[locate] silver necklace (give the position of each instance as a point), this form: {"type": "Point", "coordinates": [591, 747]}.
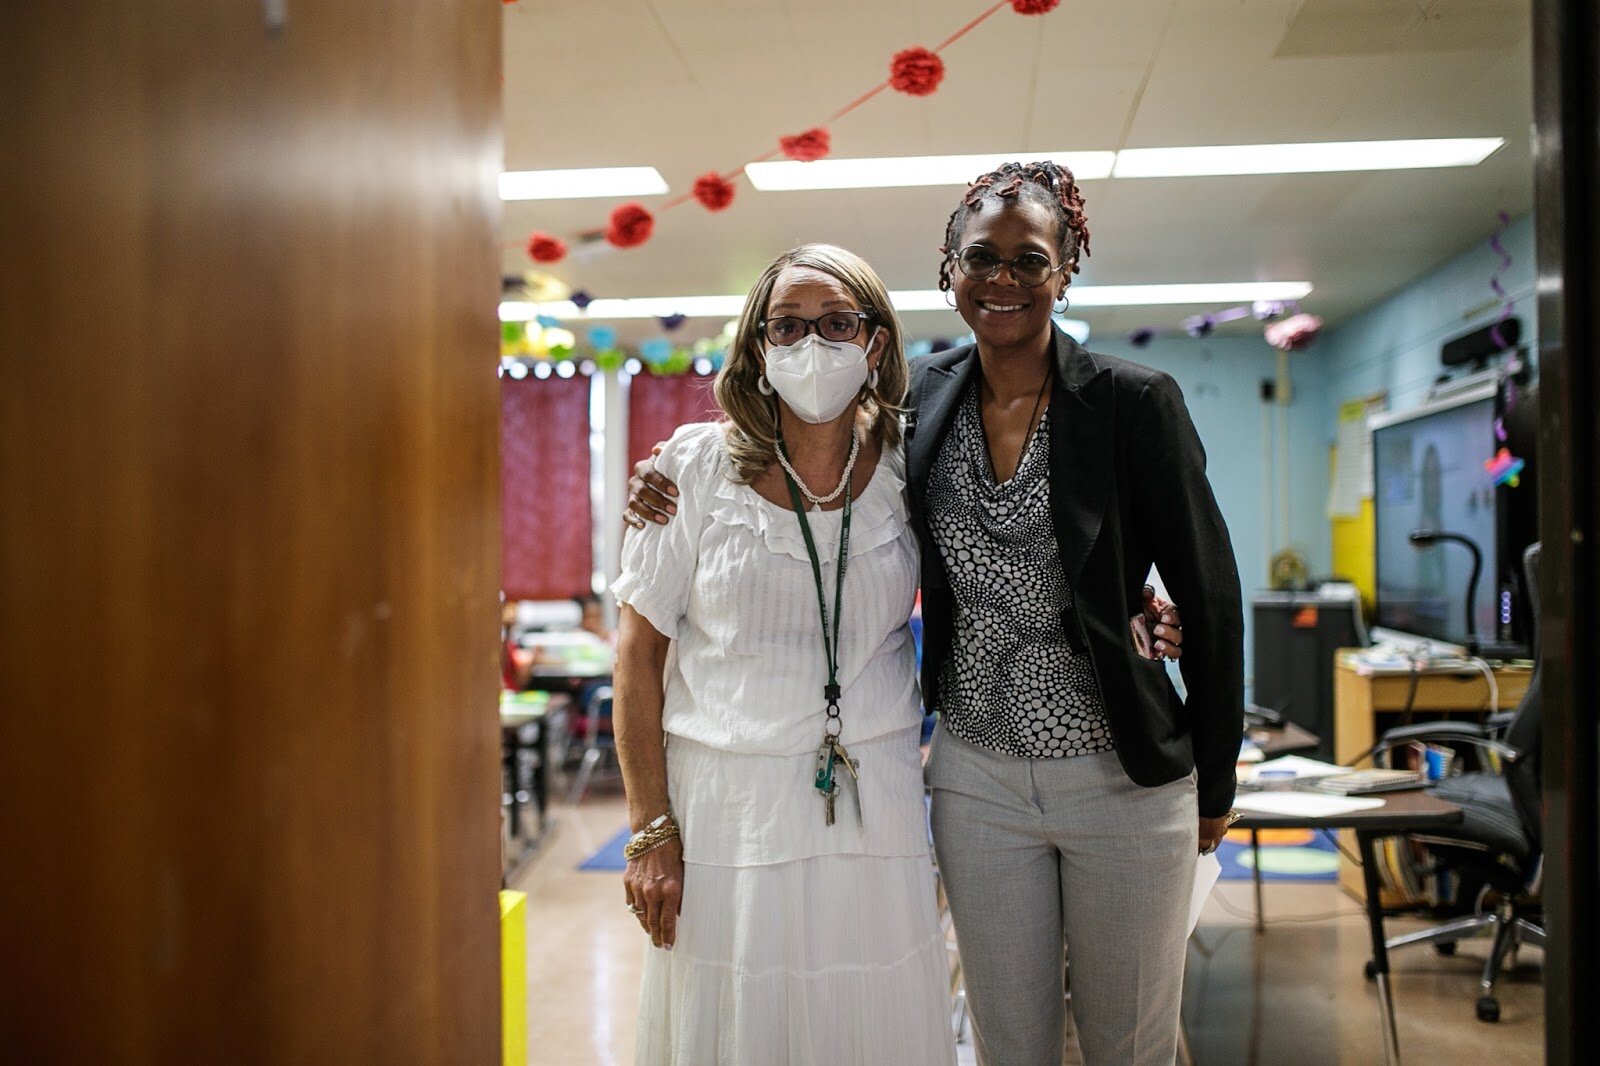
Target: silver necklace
{"type": "Point", "coordinates": [849, 467]}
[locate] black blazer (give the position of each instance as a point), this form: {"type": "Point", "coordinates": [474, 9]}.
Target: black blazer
{"type": "Point", "coordinates": [1127, 488]}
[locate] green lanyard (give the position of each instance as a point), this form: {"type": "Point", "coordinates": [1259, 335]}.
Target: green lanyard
{"type": "Point", "coordinates": [830, 638]}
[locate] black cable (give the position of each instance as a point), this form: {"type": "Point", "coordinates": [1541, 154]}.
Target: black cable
{"type": "Point", "coordinates": [1330, 916]}
{"type": "Point", "coordinates": [1411, 691]}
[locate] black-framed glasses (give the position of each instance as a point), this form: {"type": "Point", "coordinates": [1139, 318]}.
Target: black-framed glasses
{"type": "Point", "coordinates": [1029, 268]}
{"type": "Point", "coordinates": [833, 326]}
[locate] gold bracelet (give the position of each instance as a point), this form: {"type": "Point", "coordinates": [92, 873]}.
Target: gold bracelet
{"type": "Point", "coordinates": [652, 836]}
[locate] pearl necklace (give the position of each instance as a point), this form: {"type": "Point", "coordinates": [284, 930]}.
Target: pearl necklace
{"type": "Point", "coordinates": [849, 467]}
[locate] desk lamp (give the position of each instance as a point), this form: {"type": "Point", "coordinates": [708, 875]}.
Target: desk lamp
{"type": "Point", "coordinates": [1423, 538]}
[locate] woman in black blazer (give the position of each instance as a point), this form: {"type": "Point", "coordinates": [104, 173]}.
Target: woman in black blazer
{"type": "Point", "coordinates": [1072, 787]}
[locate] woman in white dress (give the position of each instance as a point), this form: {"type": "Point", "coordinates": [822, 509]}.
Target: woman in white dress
{"type": "Point", "coordinates": [780, 859]}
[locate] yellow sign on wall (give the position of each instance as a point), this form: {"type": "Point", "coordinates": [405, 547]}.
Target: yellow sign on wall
{"type": "Point", "coordinates": [1351, 510]}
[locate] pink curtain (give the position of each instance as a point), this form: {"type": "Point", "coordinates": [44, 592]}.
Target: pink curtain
{"type": "Point", "coordinates": [547, 548]}
{"type": "Point", "coordinates": [659, 405]}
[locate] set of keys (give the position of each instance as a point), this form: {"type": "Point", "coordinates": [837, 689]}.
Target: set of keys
{"type": "Point", "coordinates": [829, 756]}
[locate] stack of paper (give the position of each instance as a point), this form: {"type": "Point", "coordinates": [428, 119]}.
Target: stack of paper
{"type": "Point", "coordinates": [1303, 804]}
{"type": "Point", "coordinates": [1302, 768]}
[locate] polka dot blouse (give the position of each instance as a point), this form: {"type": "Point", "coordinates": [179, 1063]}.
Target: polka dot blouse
{"type": "Point", "coordinates": [1012, 683]}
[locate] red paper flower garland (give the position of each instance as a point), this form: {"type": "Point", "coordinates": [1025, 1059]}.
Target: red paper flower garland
{"type": "Point", "coordinates": [713, 191]}
{"type": "Point", "coordinates": [631, 225]}
{"type": "Point", "coordinates": [543, 248]}
{"type": "Point", "coordinates": [916, 72]}
{"type": "Point", "coordinates": [811, 144]}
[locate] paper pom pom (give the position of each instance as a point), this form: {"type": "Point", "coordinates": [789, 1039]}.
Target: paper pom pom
{"type": "Point", "coordinates": [656, 350]}
{"type": "Point", "coordinates": [672, 323]}
{"type": "Point", "coordinates": [713, 192]}
{"type": "Point", "coordinates": [631, 225]}
{"type": "Point", "coordinates": [543, 248]}
{"type": "Point", "coordinates": [603, 337]}
{"type": "Point", "coordinates": [1267, 310]}
{"type": "Point", "coordinates": [1141, 338]}
{"type": "Point", "coordinates": [940, 344]}
{"type": "Point", "coordinates": [547, 321]}
{"type": "Point", "coordinates": [581, 299]}
{"type": "Point", "coordinates": [1034, 7]}
{"type": "Point", "coordinates": [1294, 334]}
{"type": "Point", "coordinates": [1199, 325]}
{"type": "Point", "coordinates": [812, 144]}
{"type": "Point", "coordinates": [916, 72]}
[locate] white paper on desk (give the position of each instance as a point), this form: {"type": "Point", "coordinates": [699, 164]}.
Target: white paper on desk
{"type": "Point", "coordinates": [1303, 804]}
{"type": "Point", "coordinates": [1299, 764]}
{"type": "Point", "coordinates": [1206, 871]}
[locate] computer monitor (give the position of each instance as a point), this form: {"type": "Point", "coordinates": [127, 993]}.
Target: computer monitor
{"type": "Point", "coordinates": [1430, 473]}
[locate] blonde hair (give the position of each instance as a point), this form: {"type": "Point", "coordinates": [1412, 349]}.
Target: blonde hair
{"type": "Point", "coordinates": [752, 428]}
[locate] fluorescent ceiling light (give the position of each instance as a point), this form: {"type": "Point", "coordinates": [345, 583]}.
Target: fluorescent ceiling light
{"type": "Point", "coordinates": [1076, 328]}
{"type": "Point", "coordinates": [1226, 292]}
{"type": "Point", "coordinates": [905, 300]}
{"type": "Point", "coordinates": [906, 171]}
{"type": "Point", "coordinates": [1303, 158]}
{"type": "Point", "coordinates": [578, 184]}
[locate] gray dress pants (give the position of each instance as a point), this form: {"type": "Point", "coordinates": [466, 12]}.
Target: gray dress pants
{"type": "Point", "coordinates": [1034, 852]}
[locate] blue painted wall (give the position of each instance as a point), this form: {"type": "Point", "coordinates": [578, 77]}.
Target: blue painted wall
{"type": "Point", "coordinates": [1394, 347]}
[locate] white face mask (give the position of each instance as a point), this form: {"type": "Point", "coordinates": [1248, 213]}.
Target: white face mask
{"type": "Point", "coordinates": [818, 379]}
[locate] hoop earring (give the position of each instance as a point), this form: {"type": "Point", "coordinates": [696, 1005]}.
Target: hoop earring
{"type": "Point", "coordinates": [872, 379]}
{"type": "Point", "coordinates": [950, 299]}
{"type": "Point", "coordinates": [1065, 303]}
{"type": "Point", "coordinates": [763, 386]}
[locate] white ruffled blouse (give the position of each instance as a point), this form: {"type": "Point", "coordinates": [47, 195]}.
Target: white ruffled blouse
{"type": "Point", "coordinates": [729, 580]}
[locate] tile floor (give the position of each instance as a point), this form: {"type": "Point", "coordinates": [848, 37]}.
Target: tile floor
{"type": "Point", "coordinates": [1296, 995]}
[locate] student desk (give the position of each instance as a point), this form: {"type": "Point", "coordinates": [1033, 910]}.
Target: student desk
{"type": "Point", "coordinates": [1402, 812]}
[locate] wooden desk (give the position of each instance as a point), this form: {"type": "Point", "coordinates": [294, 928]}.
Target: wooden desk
{"type": "Point", "coordinates": [524, 727]}
{"type": "Point", "coordinates": [1368, 702]}
{"type": "Point", "coordinates": [1402, 812]}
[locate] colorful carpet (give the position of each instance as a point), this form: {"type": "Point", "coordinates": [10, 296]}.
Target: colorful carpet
{"type": "Point", "coordinates": [1286, 855]}
{"type": "Point", "coordinates": [609, 858]}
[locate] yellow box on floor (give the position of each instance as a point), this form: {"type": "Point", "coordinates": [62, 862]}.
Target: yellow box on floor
{"type": "Point", "coordinates": [513, 979]}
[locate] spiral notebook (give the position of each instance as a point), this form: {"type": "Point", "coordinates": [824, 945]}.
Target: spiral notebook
{"type": "Point", "coordinates": [1360, 782]}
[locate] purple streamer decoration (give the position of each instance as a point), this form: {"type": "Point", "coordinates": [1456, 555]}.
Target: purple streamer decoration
{"type": "Point", "coordinates": [1500, 342]}
{"type": "Point", "coordinates": [1199, 326]}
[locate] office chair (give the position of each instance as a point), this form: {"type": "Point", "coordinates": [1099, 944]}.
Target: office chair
{"type": "Point", "coordinates": [597, 744]}
{"type": "Point", "coordinates": [1497, 848]}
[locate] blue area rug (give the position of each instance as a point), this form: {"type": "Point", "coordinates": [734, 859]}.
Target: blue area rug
{"type": "Point", "coordinates": [609, 858]}
{"type": "Point", "coordinates": [1286, 855]}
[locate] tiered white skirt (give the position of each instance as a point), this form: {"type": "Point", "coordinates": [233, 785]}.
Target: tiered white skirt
{"type": "Point", "coordinates": [799, 944]}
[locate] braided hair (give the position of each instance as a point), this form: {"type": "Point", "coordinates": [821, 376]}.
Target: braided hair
{"type": "Point", "coordinates": [1046, 183]}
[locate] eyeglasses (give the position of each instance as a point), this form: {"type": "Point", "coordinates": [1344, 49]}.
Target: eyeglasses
{"type": "Point", "coordinates": [1029, 268]}
{"type": "Point", "coordinates": [833, 326]}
